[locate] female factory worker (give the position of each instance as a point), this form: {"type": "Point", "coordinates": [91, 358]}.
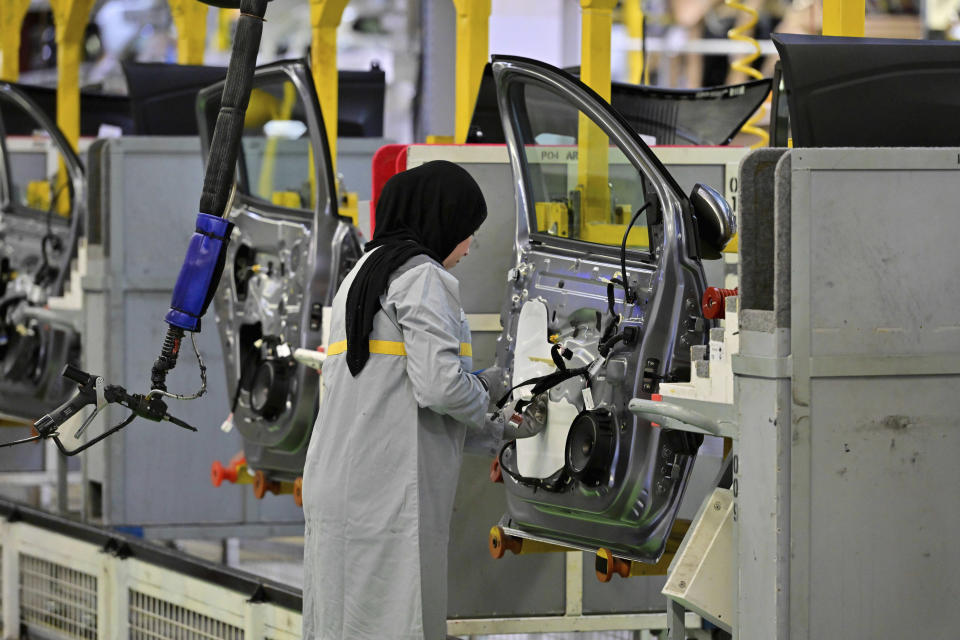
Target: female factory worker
{"type": "Point", "coordinates": [383, 461]}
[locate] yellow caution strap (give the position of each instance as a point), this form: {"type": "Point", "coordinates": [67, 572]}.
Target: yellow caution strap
{"type": "Point", "coordinates": [390, 348]}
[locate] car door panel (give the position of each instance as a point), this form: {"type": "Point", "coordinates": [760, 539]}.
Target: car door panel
{"type": "Point", "coordinates": [288, 252]}
{"type": "Point", "coordinates": [40, 222]}
{"type": "Point", "coordinates": [581, 173]}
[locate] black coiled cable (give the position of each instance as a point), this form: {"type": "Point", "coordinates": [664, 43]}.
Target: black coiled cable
{"type": "Point", "coordinates": [167, 359]}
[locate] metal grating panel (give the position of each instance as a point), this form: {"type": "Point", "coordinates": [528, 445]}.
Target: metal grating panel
{"type": "Point", "coordinates": [155, 619]}
{"type": "Point", "coordinates": [58, 598]}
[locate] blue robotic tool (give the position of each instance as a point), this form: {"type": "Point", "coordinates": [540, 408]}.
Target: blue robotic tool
{"type": "Point", "coordinates": [206, 253]}
{"type": "Point", "coordinates": [202, 266]}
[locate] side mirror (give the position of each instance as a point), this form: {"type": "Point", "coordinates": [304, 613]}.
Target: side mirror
{"type": "Point", "coordinates": [716, 224]}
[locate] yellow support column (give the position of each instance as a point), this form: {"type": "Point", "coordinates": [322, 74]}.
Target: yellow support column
{"type": "Point", "coordinates": [225, 18]}
{"type": "Point", "coordinates": [473, 45]}
{"type": "Point", "coordinates": [11, 22]}
{"type": "Point", "coordinates": [597, 22]}
{"type": "Point", "coordinates": [190, 18]}
{"type": "Point", "coordinates": [592, 142]}
{"type": "Point", "coordinates": [633, 19]}
{"type": "Point", "coordinates": [70, 20]}
{"type": "Point", "coordinates": [844, 17]}
{"type": "Point", "coordinates": [324, 19]}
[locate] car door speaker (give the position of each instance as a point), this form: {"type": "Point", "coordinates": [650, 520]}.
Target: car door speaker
{"type": "Point", "coordinates": [590, 446]}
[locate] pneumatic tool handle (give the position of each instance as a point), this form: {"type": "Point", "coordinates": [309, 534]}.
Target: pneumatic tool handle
{"type": "Point", "coordinates": [79, 376]}
{"type": "Point", "coordinates": [49, 423]}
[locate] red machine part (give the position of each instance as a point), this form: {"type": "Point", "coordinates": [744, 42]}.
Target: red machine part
{"type": "Point", "coordinates": [388, 161]}
{"type": "Point", "coordinates": [230, 473]}
{"type": "Point", "coordinates": [714, 305]}
{"type": "Point", "coordinates": [236, 472]}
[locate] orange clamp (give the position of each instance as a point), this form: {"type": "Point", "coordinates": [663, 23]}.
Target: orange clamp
{"type": "Point", "coordinates": [606, 564]}
{"type": "Point", "coordinates": [262, 485]}
{"type": "Point", "coordinates": [298, 491]}
{"type": "Point", "coordinates": [235, 472]}
{"type": "Point", "coordinates": [500, 541]}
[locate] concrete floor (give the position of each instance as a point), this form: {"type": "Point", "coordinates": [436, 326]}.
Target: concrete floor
{"type": "Point", "coordinates": [281, 559]}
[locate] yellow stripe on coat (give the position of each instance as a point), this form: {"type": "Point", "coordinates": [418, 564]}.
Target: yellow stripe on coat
{"type": "Point", "coordinates": [390, 348]}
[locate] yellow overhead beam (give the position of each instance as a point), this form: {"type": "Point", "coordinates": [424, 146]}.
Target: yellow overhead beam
{"type": "Point", "coordinates": [11, 22]}
{"type": "Point", "coordinates": [473, 45]}
{"type": "Point", "coordinates": [844, 17]}
{"type": "Point", "coordinates": [324, 19]}
{"type": "Point", "coordinates": [633, 19]}
{"type": "Point", "coordinates": [592, 142]}
{"type": "Point", "coordinates": [190, 18]}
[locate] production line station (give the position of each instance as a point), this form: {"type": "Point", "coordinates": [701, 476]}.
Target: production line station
{"type": "Point", "coordinates": [530, 320]}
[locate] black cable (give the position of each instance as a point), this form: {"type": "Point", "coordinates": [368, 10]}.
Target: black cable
{"type": "Point", "coordinates": [628, 297]}
{"type": "Point", "coordinates": [43, 273]}
{"type": "Point", "coordinates": [5, 305]}
{"type": "Point", "coordinates": [21, 441]}
{"type": "Point", "coordinates": [82, 447]}
{"type": "Point", "coordinates": [242, 381]}
{"type": "Point", "coordinates": [609, 343]}
{"type": "Point", "coordinates": [559, 477]}
{"type": "Point", "coordinates": [542, 383]}
{"type": "Point", "coordinates": [89, 444]}
{"type": "Point", "coordinates": [167, 359]}
{"type": "Point", "coordinates": [9, 302]}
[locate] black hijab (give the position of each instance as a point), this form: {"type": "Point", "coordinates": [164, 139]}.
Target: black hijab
{"type": "Point", "coordinates": [427, 210]}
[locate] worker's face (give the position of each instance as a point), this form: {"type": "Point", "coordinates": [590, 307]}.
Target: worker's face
{"type": "Point", "coordinates": [458, 252]}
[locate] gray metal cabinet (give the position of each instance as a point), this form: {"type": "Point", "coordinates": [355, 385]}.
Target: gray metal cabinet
{"type": "Point", "coordinates": [847, 397]}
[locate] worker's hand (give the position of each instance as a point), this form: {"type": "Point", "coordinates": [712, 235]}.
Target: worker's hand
{"type": "Point", "coordinates": [532, 421]}
{"type": "Point", "coordinates": [493, 428]}
{"type": "Point", "coordinates": [492, 379]}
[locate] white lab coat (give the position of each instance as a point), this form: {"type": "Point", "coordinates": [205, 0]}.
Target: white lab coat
{"type": "Point", "coordinates": [382, 466]}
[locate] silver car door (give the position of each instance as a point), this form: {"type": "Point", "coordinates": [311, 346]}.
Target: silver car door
{"type": "Point", "coordinates": [288, 252]}
{"type": "Point", "coordinates": [597, 476]}
{"type": "Point", "coordinates": [42, 199]}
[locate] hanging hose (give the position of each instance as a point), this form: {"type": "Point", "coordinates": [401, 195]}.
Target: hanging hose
{"type": "Point", "coordinates": [206, 252]}
{"type": "Point", "coordinates": [745, 65]}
